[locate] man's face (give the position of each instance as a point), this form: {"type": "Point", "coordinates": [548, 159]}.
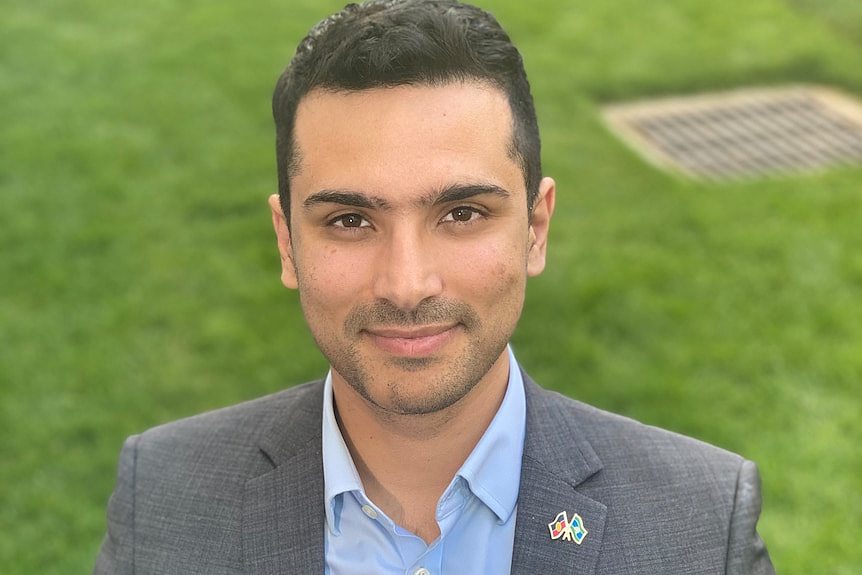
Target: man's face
{"type": "Point", "coordinates": [410, 239]}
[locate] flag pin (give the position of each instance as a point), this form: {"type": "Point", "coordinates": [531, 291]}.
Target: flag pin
{"type": "Point", "coordinates": [562, 528]}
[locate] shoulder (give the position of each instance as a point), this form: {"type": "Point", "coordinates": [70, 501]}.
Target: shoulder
{"type": "Point", "coordinates": [652, 482]}
{"type": "Point", "coordinates": [634, 460]}
{"type": "Point", "coordinates": [231, 438]}
{"type": "Point", "coordinates": [616, 437]}
{"type": "Point", "coordinates": [247, 419]}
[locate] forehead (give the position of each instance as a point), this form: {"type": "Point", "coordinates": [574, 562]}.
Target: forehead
{"type": "Point", "coordinates": [404, 140]}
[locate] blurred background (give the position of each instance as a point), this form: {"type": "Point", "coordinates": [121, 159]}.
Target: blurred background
{"type": "Point", "coordinates": [139, 273]}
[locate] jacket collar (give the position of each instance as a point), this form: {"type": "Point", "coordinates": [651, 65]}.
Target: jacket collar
{"type": "Point", "coordinates": [283, 514]}
{"type": "Point", "coordinates": [557, 459]}
{"type": "Point", "coordinates": [283, 517]}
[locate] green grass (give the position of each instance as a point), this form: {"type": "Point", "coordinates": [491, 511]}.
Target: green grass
{"type": "Point", "coordinates": [139, 276]}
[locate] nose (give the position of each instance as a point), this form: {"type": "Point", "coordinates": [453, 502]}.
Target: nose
{"type": "Point", "coordinates": [407, 270]}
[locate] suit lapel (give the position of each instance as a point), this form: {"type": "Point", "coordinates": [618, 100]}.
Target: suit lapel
{"type": "Point", "coordinates": [283, 514]}
{"type": "Point", "coordinates": [284, 520]}
{"type": "Point", "coordinates": [555, 463]}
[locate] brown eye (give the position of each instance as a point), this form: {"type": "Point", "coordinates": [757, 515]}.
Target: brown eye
{"type": "Point", "coordinates": [462, 214]}
{"type": "Point", "coordinates": [349, 221]}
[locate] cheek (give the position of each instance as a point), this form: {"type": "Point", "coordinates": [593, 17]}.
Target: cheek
{"type": "Point", "coordinates": [494, 271]}
{"type": "Point", "coordinates": [330, 280]}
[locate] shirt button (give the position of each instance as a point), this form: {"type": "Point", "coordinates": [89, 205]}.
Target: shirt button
{"type": "Point", "coordinates": [421, 571]}
{"type": "Point", "coordinates": [369, 511]}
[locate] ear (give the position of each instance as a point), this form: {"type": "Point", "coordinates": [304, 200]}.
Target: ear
{"type": "Point", "coordinates": [540, 220]}
{"type": "Point", "coordinates": [282, 233]}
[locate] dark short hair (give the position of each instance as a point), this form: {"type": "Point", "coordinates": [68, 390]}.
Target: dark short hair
{"type": "Point", "coordinates": [387, 43]}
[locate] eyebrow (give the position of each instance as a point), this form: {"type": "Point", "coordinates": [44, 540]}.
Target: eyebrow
{"type": "Point", "coordinates": [458, 192]}
{"type": "Point", "coordinates": [346, 198]}
{"type": "Point", "coordinates": [448, 194]}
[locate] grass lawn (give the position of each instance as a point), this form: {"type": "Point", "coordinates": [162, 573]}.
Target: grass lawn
{"type": "Point", "coordinates": [139, 276]}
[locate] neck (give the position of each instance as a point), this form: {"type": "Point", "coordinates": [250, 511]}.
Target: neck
{"type": "Point", "coordinates": [406, 462]}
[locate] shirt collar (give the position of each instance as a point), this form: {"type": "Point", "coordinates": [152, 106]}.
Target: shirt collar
{"type": "Point", "coordinates": [339, 471]}
{"type": "Point", "coordinates": [492, 470]}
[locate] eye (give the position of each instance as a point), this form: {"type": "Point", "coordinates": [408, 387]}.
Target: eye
{"type": "Point", "coordinates": [462, 214]}
{"type": "Point", "coordinates": [350, 221]}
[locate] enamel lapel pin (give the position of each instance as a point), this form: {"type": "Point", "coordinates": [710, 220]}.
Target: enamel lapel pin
{"type": "Point", "coordinates": [562, 528]}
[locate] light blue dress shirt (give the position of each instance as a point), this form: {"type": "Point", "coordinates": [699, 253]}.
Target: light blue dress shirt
{"type": "Point", "coordinates": [476, 513]}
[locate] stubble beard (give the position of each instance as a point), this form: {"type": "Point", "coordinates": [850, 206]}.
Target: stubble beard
{"type": "Point", "coordinates": [389, 389]}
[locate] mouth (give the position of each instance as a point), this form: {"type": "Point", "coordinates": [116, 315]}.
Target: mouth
{"type": "Point", "coordinates": [420, 341]}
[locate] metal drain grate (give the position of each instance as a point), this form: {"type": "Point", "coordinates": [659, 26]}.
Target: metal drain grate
{"type": "Point", "coordinates": [745, 133]}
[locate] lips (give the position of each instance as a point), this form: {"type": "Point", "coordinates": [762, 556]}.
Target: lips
{"type": "Point", "coordinates": [419, 341]}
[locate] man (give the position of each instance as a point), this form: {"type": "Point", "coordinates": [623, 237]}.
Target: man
{"type": "Point", "coordinates": [411, 211]}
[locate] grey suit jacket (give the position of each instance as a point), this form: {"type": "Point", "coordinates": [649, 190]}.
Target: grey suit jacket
{"type": "Point", "coordinates": [240, 490]}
